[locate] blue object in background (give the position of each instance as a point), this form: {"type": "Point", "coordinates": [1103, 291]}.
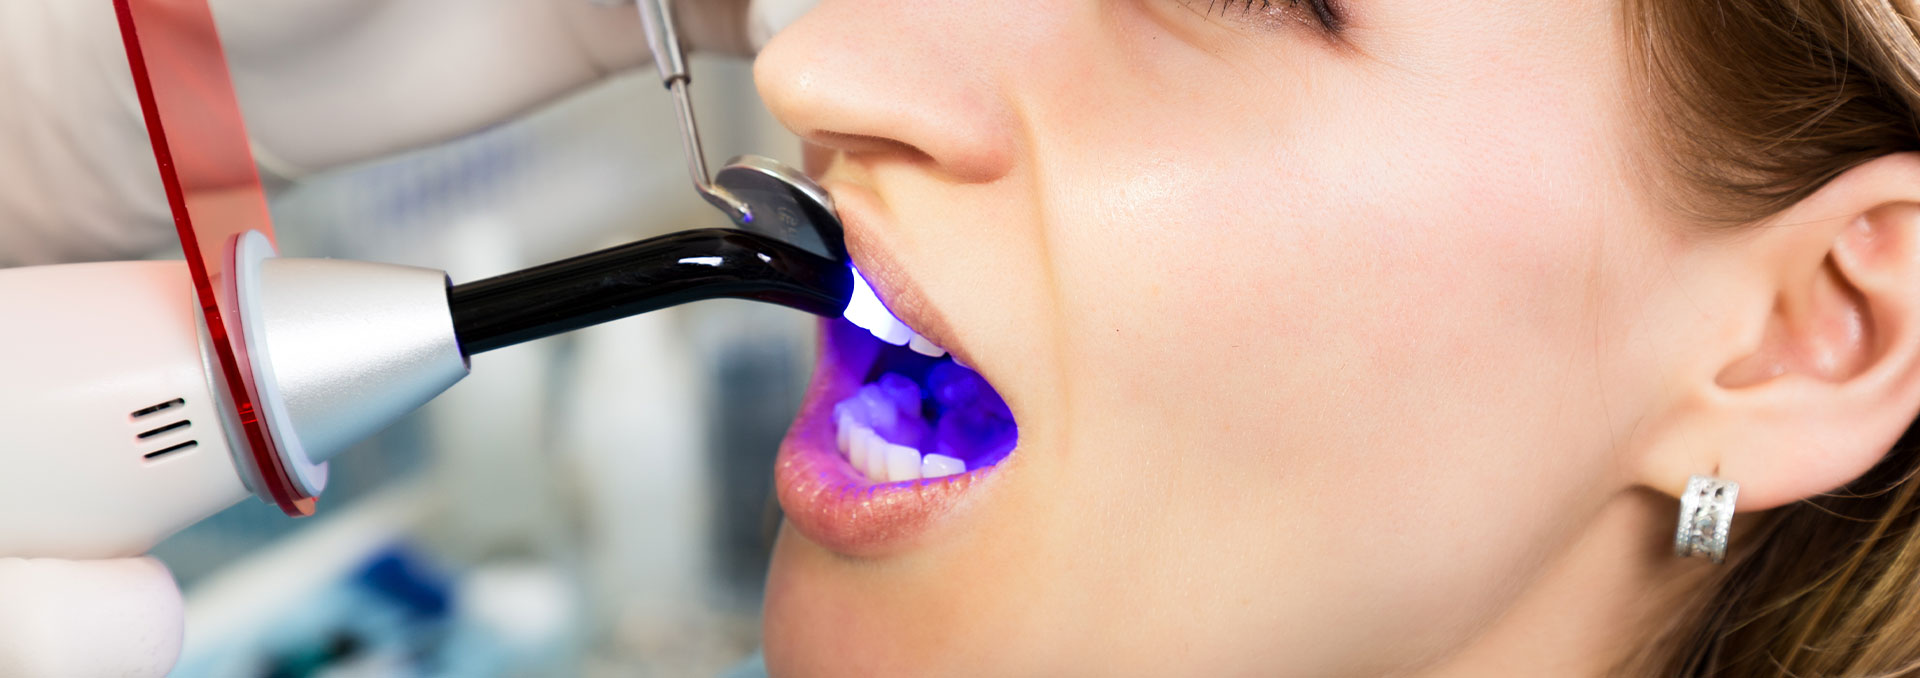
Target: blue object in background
{"type": "Point", "coordinates": [397, 615]}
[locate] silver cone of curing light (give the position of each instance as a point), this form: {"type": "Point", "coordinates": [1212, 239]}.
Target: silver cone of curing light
{"type": "Point", "coordinates": [340, 349]}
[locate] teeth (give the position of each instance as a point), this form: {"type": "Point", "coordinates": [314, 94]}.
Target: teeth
{"type": "Point", "coordinates": [857, 448]}
{"type": "Point", "coordinates": [920, 345]}
{"type": "Point", "coordinates": [873, 455]}
{"type": "Point", "coordinates": [843, 427]}
{"type": "Point", "coordinates": [876, 458]}
{"type": "Point", "coordinates": [903, 463]}
{"type": "Point", "coordinates": [880, 430]}
{"type": "Point", "coordinates": [885, 462]}
{"type": "Point", "coordinates": [894, 332]}
{"type": "Point", "coordinates": [938, 465]}
{"type": "Point", "coordinates": [866, 311]}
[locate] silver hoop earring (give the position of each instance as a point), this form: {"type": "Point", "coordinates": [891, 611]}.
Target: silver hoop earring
{"type": "Point", "coordinates": [1706, 516]}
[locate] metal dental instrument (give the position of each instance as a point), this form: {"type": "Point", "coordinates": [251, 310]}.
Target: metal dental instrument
{"type": "Point", "coordinates": [664, 40]}
{"type": "Point", "coordinates": [759, 194]}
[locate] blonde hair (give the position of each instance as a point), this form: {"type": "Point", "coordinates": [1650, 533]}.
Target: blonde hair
{"type": "Point", "coordinates": [1760, 103]}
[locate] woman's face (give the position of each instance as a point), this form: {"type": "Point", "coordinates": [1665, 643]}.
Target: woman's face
{"type": "Point", "coordinates": [1303, 329]}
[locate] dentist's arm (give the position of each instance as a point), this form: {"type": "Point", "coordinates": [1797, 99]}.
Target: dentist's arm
{"type": "Point", "coordinates": [326, 82]}
{"type": "Point", "coordinates": [321, 83]}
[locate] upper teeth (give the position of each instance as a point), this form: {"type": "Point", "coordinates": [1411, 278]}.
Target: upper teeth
{"type": "Point", "coordinates": [866, 311]}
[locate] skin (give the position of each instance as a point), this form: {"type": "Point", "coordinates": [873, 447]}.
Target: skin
{"type": "Point", "coordinates": [1367, 354]}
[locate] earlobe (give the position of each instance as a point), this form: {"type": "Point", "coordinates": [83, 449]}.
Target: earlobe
{"type": "Point", "coordinates": [1830, 378]}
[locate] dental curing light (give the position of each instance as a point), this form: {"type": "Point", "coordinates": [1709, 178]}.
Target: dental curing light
{"type": "Point", "coordinates": [122, 428]}
{"type": "Point", "coordinates": [141, 397]}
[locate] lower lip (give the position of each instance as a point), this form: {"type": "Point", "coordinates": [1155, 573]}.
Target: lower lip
{"type": "Point", "coordinates": [833, 504]}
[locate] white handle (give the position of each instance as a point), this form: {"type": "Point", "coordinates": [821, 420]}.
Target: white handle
{"type": "Point", "coordinates": [110, 434]}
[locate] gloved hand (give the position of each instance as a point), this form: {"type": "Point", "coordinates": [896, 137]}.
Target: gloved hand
{"type": "Point", "coordinates": [88, 618]}
{"type": "Point", "coordinates": [321, 83]}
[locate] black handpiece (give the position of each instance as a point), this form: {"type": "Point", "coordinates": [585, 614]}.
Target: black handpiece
{"type": "Point", "coordinates": [642, 276]}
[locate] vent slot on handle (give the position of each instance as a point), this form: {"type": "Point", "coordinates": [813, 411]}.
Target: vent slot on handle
{"type": "Point", "coordinates": [155, 434]}
{"type": "Point", "coordinates": [175, 426]}
{"type": "Point", "coordinates": [156, 454]}
{"type": "Point", "coordinates": [156, 409]}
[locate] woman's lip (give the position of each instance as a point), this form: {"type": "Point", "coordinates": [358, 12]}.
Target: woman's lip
{"type": "Point", "coordinates": [831, 503]}
{"type": "Point", "coordinates": [823, 496]}
{"type": "Point", "coordinates": [860, 219]}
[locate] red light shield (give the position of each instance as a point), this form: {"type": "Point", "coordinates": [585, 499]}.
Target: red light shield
{"type": "Point", "coordinates": [200, 143]}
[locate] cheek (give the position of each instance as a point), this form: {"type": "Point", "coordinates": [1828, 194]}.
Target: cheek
{"type": "Point", "coordinates": [1354, 356]}
{"type": "Point", "coordinates": [1216, 277]}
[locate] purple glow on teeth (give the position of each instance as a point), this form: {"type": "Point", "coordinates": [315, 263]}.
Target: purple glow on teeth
{"type": "Point", "coordinates": [955, 422]}
{"type": "Point", "coordinates": [889, 407]}
{"type": "Point", "coordinates": [921, 415]}
{"type": "Point", "coordinates": [865, 309]}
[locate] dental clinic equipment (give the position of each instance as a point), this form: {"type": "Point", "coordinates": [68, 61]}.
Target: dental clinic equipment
{"type": "Point", "coordinates": [141, 397]}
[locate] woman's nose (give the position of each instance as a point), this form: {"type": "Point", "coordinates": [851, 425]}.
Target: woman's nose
{"type": "Point", "coordinates": [918, 81]}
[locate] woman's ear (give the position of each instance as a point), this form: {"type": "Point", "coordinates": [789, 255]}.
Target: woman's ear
{"type": "Point", "coordinates": [1820, 369]}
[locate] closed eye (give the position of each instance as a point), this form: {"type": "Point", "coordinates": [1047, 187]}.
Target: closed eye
{"type": "Point", "coordinates": [1321, 13]}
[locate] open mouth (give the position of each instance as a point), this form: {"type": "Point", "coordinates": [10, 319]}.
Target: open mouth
{"type": "Point", "coordinates": [893, 432]}
{"type": "Point", "coordinates": [919, 413]}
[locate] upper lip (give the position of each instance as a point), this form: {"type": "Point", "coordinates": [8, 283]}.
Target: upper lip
{"type": "Point", "coordinates": [866, 240]}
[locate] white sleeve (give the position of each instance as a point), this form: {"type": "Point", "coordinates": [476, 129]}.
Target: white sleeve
{"type": "Point", "coordinates": [325, 82]}
{"type": "Point", "coordinates": [321, 83]}
{"type": "Point", "coordinates": [77, 179]}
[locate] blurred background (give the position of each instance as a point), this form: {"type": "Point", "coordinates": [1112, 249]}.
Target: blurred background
{"type": "Point", "coordinates": [595, 504]}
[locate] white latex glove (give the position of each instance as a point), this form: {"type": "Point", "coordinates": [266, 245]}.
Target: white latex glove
{"type": "Point", "coordinates": [76, 619]}
{"type": "Point", "coordinates": [321, 83]}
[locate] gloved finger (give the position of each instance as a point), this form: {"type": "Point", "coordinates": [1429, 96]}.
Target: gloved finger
{"type": "Point", "coordinates": [80, 618]}
{"type": "Point", "coordinates": [324, 83]}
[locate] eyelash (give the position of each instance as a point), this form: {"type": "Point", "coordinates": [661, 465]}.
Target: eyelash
{"type": "Point", "coordinates": [1322, 11]}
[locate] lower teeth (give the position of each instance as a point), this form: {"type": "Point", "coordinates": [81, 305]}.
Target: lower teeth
{"type": "Point", "coordinates": [883, 430]}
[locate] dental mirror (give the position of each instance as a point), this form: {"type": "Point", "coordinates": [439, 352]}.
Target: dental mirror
{"type": "Point", "coordinates": [784, 204]}
{"type": "Point", "coordinates": [759, 194]}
